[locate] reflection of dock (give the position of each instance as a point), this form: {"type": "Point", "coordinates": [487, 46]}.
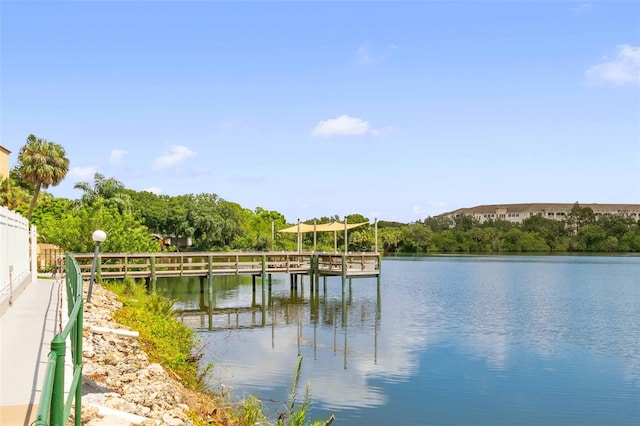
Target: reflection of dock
{"type": "Point", "coordinates": [295, 310]}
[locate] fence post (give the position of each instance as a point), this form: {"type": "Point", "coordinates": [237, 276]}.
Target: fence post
{"type": "Point", "coordinates": [56, 418]}
{"type": "Point", "coordinates": [77, 361]}
{"type": "Point", "coordinates": [34, 253]}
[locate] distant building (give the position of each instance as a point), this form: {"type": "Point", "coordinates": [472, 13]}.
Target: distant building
{"type": "Point", "coordinates": [516, 213]}
{"type": "Point", "coordinates": [4, 162]}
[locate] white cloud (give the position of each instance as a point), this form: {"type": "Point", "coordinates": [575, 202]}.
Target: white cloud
{"type": "Point", "coordinates": [343, 125]}
{"type": "Point", "coordinates": [117, 155]}
{"type": "Point", "coordinates": [176, 154]}
{"type": "Point", "coordinates": [82, 174]}
{"type": "Point", "coordinates": [366, 55]}
{"type": "Point", "coordinates": [363, 56]}
{"type": "Point", "coordinates": [154, 189]}
{"type": "Point", "coordinates": [582, 9]}
{"type": "Point", "coordinates": [623, 69]}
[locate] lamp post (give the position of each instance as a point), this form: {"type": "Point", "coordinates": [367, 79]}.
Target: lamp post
{"type": "Point", "coordinates": [98, 236]}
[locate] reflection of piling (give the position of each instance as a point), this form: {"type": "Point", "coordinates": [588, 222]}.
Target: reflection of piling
{"type": "Point", "coordinates": [344, 274]}
{"type": "Point", "coordinates": [201, 301]}
{"type": "Point", "coordinates": [263, 278]}
{"type": "Point", "coordinates": [345, 347]}
{"type": "Point", "coordinates": [376, 326]}
{"type": "Point", "coordinates": [344, 291]}
{"type": "Point", "coordinates": [379, 271]}
{"type": "Point", "coordinates": [253, 293]}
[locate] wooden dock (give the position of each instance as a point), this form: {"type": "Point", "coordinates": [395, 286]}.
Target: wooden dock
{"type": "Point", "coordinates": [151, 266]}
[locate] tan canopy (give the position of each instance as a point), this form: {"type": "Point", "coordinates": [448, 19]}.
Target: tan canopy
{"type": "Point", "coordinates": [333, 226]}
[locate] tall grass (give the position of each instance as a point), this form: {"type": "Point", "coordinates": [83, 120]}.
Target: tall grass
{"type": "Point", "coordinates": [297, 416]}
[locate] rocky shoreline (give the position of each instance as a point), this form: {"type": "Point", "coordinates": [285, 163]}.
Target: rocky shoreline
{"type": "Point", "coordinates": [120, 385]}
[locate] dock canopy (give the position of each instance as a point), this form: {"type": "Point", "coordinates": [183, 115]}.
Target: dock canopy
{"type": "Point", "coordinates": [334, 227]}
{"type": "Point", "coordinates": [322, 227]}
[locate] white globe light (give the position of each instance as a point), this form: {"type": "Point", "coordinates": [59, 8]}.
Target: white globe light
{"type": "Point", "coordinates": [99, 236]}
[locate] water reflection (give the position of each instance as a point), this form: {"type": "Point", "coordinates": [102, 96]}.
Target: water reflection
{"type": "Point", "coordinates": [455, 339]}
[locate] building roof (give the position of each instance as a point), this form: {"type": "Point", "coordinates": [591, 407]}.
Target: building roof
{"type": "Point", "coordinates": [5, 150]}
{"type": "Point", "coordinates": [536, 207]}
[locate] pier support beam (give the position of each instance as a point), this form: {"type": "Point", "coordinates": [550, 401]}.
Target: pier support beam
{"type": "Point", "coordinates": [263, 279]}
{"type": "Point", "coordinates": [210, 293]}
{"type": "Point", "coordinates": [152, 265]}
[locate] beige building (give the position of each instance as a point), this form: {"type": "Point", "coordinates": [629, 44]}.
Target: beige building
{"type": "Point", "coordinates": [516, 213]}
{"type": "Point", "coordinates": [4, 162]}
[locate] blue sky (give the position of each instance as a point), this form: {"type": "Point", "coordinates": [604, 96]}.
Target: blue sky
{"type": "Point", "coordinates": [397, 110]}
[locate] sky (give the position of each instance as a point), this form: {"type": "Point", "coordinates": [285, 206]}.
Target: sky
{"type": "Point", "coordinates": [393, 110]}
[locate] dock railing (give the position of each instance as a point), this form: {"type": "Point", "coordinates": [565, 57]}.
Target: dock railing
{"type": "Point", "coordinates": [155, 265]}
{"type": "Point", "coordinates": [53, 410]}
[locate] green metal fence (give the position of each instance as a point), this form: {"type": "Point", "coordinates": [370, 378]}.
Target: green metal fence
{"type": "Point", "coordinates": [53, 409]}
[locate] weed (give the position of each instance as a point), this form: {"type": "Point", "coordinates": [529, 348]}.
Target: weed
{"type": "Point", "coordinates": [298, 416]}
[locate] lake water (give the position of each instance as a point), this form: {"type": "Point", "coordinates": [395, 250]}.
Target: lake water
{"type": "Point", "coordinates": [445, 340]}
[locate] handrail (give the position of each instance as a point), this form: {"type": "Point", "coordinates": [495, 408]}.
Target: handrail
{"type": "Point", "coordinates": [52, 410]}
{"type": "Point", "coordinates": [152, 265]}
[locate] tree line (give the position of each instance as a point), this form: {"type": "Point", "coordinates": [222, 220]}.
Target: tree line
{"type": "Point", "coordinates": [138, 221]}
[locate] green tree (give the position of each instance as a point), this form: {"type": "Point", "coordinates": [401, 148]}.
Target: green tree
{"type": "Point", "coordinates": [150, 208]}
{"type": "Point", "coordinates": [579, 217]}
{"type": "Point", "coordinates": [390, 239]}
{"type": "Point", "coordinates": [49, 208]}
{"type": "Point", "coordinates": [591, 237]}
{"type": "Point", "coordinates": [231, 226]}
{"type": "Point", "coordinates": [205, 220]}
{"type": "Point", "coordinates": [446, 242]}
{"type": "Point", "coordinates": [416, 238]}
{"type": "Point", "coordinates": [41, 163]}
{"type": "Point", "coordinates": [12, 196]}
{"type": "Point", "coordinates": [631, 240]}
{"type": "Point", "coordinates": [178, 224]}
{"type": "Point", "coordinates": [615, 225]}
{"type": "Point", "coordinates": [465, 222]}
{"type": "Point", "coordinates": [257, 230]}
{"type": "Point", "coordinates": [108, 190]}
{"type": "Point", "coordinates": [73, 231]}
{"type": "Point", "coordinates": [356, 218]}
{"type": "Point", "coordinates": [439, 223]}
{"type": "Point", "coordinates": [360, 238]}
{"type": "Point", "coordinates": [532, 242]}
{"type": "Point", "coordinates": [485, 239]}
{"type": "Point", "coordinates": [551, 230]}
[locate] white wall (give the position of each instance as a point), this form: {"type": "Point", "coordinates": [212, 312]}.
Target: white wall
{"type": "Point", "coordinates": [14, 252]}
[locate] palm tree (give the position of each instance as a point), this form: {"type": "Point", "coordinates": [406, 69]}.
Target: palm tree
{"type": "Point", "coordinates": [110, 191]}
{"type": "Point", "coordinates": [42, 163]}
{"type": "Point", "coordinates": [12, 196]}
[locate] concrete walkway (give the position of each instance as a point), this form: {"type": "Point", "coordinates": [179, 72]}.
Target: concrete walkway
{"type": "Point", "coordinates": [26, 330]}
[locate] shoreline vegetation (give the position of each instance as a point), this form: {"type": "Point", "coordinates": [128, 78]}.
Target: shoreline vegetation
{"type": "Point", "coordinates": [141, 221]}
{"type": "Point", "coordinates": [156, 378]}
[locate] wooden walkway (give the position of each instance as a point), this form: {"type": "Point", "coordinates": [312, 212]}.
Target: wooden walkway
{"type": "Point", "coordinates": [151, 266]}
